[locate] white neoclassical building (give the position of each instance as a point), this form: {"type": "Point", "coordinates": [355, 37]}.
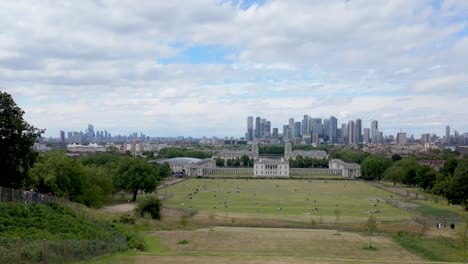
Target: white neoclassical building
{"type": "Point", "coordinates": [271, 168]}
{"type": "Point", "coordinates": [348, 170]}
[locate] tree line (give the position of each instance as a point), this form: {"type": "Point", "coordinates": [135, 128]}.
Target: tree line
{"type": "Point", "coordinates": [451, 181]}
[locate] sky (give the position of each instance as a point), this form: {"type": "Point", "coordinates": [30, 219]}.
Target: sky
{"type": "Point", "coordinates": [199, 68]}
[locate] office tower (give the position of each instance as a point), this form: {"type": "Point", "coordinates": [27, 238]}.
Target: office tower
{"type": "Point", "coordinates": [70, 137]}
{"type": "Point", "coordinates": [257, 127]}
{"type": "Point", "coordinates": [262, 127]}
{"type": "Point", "coordinates": [426, 138]}
{"type": "Point", "coordinates": [401, 138]}
{"type": "Point", "coordinates": [366, 136]}
{"type": "Point", "coordinates": [358, 128]}
{"type": "Point", "coordinates": [285, 132]}
{"type": "Point", "coordinates": [275, 132]}
{"type": "Point", "coordinates": [447, 135]}
{"type": "Point", "coordinates": [325, 128]}
{"type": "Point", "coordinates": [316, 125]}
{"type": "Point", "coordinates": [374, 131]}
{"type": "Point", "coordinates": [344, 133]}
{"type": "Point", "coordinates": [90, 132]}
{"type": "Point", "coordinates": [62, 136]}
{"type": "Point", "coordinates": [249, 134]}
{"type": "Point", "coordinates": [297, 129]}
{"type": "Point", "coordinates": [351, 132]}
{"type": "Point", "coordinates": [77, 137]}
{"type": "Point", "coordinates": [380, 137]}
{"type": "Point", "coordinates": [291, 128]}
{"type": "Point", "coordinates": [305, 125]}
{"type": "Point", "coordinates": [267, 129]}
{"type": "Point", "coordinates": [333, 126]}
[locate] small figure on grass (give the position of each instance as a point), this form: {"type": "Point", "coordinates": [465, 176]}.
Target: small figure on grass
{"type": "Point", "coordinates": [371, 228]}
{"type": "Point", "coordinates": [183, 221]}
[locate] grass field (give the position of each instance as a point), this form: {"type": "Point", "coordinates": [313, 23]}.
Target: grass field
{"type": "Point", "coordinates": [296, 200]}
{"type": "Point", "coordinates": [263, 245]}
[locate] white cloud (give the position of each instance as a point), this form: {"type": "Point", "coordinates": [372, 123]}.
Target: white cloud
{"type": "Point", "coordinates": [71, 63]}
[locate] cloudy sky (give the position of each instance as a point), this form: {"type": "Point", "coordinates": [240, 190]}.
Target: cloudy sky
{"type": "Point", "coordinates": [199, 68]}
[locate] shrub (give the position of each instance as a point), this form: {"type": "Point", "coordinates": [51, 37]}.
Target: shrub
{"type": "Point", "coordinates": [150, 205]}
{"type": "Point", "coordinates": [126, 219]}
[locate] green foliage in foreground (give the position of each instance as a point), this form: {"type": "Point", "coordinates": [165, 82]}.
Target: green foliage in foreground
{"type": "Point", "coordinates": [51, 222]}
{"type": "Point", "coordinates": [435, 249]}
{"type": "Point", "coordinates": [134, 239]}
{"type": "Point", "coordinates": [151, 205]}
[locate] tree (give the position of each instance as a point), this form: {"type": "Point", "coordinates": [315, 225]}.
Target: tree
{"type": "Point", "coordinates": [220, 162]}
{"type": "Point", "coordinates": [396, 157]}
{"type": "Point", "coordinates": [371, 228]}
{"type": "Point", "coordinates": [245, 160]}
{"type": "Point", "coordinates": [449, 167]}
{"type": "Point", "coordinates": [373, 167]}
{"type": "Point", "coordinates": [16, 140]}
{"type": "Point", "coordinates": [457, 192]}
{"type": "Point", "coordinates": [165, 170]}
{"type": "Point", "coordinates": [394, 173]}
{"type": "Point", "coordinates": [425, 177]}
{"type": "Point", "coordinates": [134, 174]}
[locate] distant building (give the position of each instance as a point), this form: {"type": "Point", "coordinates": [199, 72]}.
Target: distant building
{"type": "Point", "coordinates": [401, 138]}
{"type": "Point", "coordinates": [351, 132]}
{"type": "Point", "coordinates": [366, 136]}
{"type": "Point", "coordinates": [188, 166]}
{"type": "Point", "coordinates": [271, 168]}
{"type": "Point", "coordinates": [447, 135]}
{"type": "Point", "coordinates": [91, 148]}
{"type": "Point", "coordinates": [348, 170]}
{"type": "Point", "coordinates": [374, 131]}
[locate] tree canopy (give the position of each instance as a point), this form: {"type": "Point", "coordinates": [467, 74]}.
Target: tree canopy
{"type": "Point", "coordinates": [16, 140]}
{"type": "Point", "coordinates": [134, 174]}
{"type": "Point", "coordinates": [374, 166]}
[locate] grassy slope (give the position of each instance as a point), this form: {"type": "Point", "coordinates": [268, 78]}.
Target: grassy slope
{"type": "Point", "coordinates": [52, 222]}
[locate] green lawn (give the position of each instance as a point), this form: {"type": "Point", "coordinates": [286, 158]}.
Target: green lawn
{"type": "Point", "coordinates": [295, 200]}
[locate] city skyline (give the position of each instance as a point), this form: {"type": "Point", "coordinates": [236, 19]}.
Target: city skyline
{"type": "Point", "coordinates": [198, 68]}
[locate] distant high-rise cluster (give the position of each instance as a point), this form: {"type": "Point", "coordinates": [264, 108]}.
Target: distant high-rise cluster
{"type": "Point", "coordinates": [90, 135]}
{"type": "Point", "coordinates": [314, 131]}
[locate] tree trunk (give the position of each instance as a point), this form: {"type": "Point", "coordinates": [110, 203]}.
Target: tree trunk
{"type": "Point", "coordinates": [135, 192]}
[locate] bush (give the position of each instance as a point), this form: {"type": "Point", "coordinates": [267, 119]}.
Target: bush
{"type": "Point", "coordinates": [150, 205]}
{"type": "Point", "coordinates": [126, 219]}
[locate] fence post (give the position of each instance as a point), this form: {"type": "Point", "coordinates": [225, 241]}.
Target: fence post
{"type": "Point", "coordinates": [12, 195]}
{"type": "Point", "coordinates": [44, 245]}
{"type": "Point", "coordinates": [65, 253]}
{"type": "Point", "coordinates": [18, 249]}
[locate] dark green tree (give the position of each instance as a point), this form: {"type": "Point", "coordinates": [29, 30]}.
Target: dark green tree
{"type": "Point", "coordinates": [373, 167]}
{"type": "Point", "coordinates": [425, 177]}
{"type": "Point", "coordinates": [134, 174]}
{"type": "Point", "coordinates": [396, 157]}
{"type": "Point", "coordinates": [220, 162]}
{"type": "Point", "coordinates": [394, 173]}
{"type": "Point", "coordinates": [165, 170]}
{"type": "Point", "coordinates": [457, 192]}
{"type": "Point", "coordinates": [245, 160]}
{"type": "Point", "coordinates": [16, 140]}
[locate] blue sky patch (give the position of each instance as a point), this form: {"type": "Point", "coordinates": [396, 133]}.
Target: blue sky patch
{"type": "Point", "coordinates": [201, 54]}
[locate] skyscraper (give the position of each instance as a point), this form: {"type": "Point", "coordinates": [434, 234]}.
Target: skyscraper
{"type": "Point", "coordinates": [267, 129]}
{"type": "Point", "coordinates": [305, 125]}
{"type": "Point", "coordinates": [374, 131]}
{"type": "Point", "coordinates": [257, 127]}
{"type": "Point", "coordinates": [358, 131]}
{"type": "Point", "coordinates": [291, 127]}
{"type": "Point", "coordinates": [285, 132]}
{"type": "Point", "coordinates": [351, 132]}
{"type": "Point", "coordinates": [366, 137]}
{"type": "Point", "coordinates": [275, 132]}
{"type": "Point", "coordinates": [297, 129]}
{"type": "Point", "coordinates": [62, 136]}
{"type": "Point", "coordinates": [262, 127]}
{"type": "Point", "coordinates": [316, 125]}
{"type": "Point", "coordinates": [401, 138]}
{"type": "Point", "coordinates": [447, 135]}
{"type": "Point", "coordinates": [249, 135]}
{"type": "Point", "coordinates": [333, 126]}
